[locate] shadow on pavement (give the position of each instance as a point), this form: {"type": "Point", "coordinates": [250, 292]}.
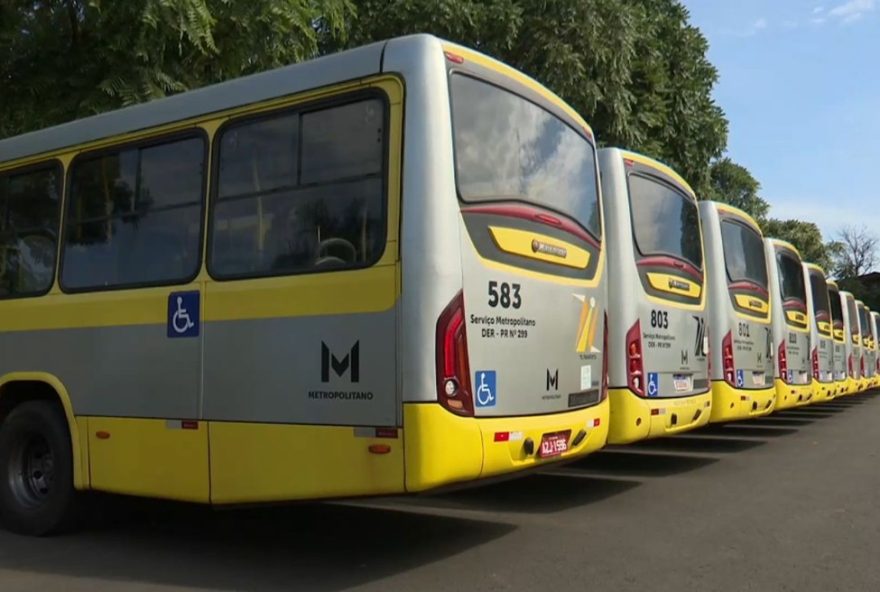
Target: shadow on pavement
{"type": "Point", "coordinates": [695, 442]}
{"type": "Point", "coordinates": [629, 462]}
{"type": "Point", "coordinates": [806, 414]}
{"type": "Point", "coordinates": [778, 420]}
{"type": "Point", "coordinates": [533, 494]}
{"type": "Point", "coordinates": [748, 430]}
{"type": "Point", "coordinates": [322, 547]}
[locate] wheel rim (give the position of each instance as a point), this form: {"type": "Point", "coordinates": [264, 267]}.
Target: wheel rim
{"type": "Point", "coordinates": [31, 470]}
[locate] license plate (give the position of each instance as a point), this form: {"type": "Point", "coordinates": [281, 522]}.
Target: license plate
{"type": "Point", "coordinates": [802, 377]}
{"type": "Point", "coordinates": [758, 378]}
{"type": "Point", "coordinates": [554, 444]}
{"type": "Point", "coordinates": [682, 382]}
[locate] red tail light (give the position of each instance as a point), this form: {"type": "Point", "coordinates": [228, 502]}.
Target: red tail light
{"type": "Point", "coordinates": [453, 369]}
{"type": "Point", "coordinates": [862, 366]}
{"type": "Point", "coordinates": [783, 362]}
{"type": "Point", "coordinates": [727, 360]}
{"type": "Point", "coordinates": [849, 366]}
{"type": "Point", "coordinates": [604, 393]}
{"type": "Point", "coordinates": [635, 368]}
{"type": "Point", "coordinates": [816, 363]}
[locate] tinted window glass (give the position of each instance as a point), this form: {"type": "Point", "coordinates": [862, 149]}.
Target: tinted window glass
{"type": "Point", "coordinates": [134, 216]}
{"type": "Point", "coordinates": [791, 277]}
{"type": "Point", "coordinates": [863, 320]}
{"type": "Point", "coordinates": [743, 253]}
{"type": "Point", "coordinates": [836, 310]}
{"type": "Point", "coordinates": [281, 209]}
{"type": "Point", "coordinates": [507, 148]}
{"type": "Point", "coordinates": [819, 289]}
{"type": "Point", "coordinates": [665, 221]}
{"type": "Point", "coordinates": [28, 231]}
{"type": "Point", "coordinates": [853, 315]}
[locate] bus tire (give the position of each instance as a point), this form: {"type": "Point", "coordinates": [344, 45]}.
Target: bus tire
{"type": "Point", "coordinates": [37, 496]}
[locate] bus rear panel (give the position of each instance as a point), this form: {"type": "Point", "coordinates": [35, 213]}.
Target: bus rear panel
{"type": "Point", "coordinates": [791, 324]}
{"type": "Point", "coordinates": [839, 340]}
{"type": "Point", "coordinates": [821, 339]}
{"type": "Point", "coordinates": [658, 366]}
{"type": "Point", "coordinates": [869, 353]}
{"type": "Point", "coordinates": [853, 342]}
{"type": "Point", "coordinates": [740, 314]}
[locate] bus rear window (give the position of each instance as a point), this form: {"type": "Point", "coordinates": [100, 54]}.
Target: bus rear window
{"type": "Point", "coordinates": [791, 278]}
{"type": "Point", "coordinates": [665, 221]}
{"type": "Point", "coordinates": [819, 288]}
{"type": "Point", "coordinates": [863, 320]}
{"type": "Point", "coordinates": [836, 309]}
{"type": "Point", "coordinates": [508, 148]}
{"type": "Point", "coordinates": [743, 254]}
{"type": "Point", "coordinates": [853, 316]}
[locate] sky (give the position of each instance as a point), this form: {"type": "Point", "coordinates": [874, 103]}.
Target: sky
{"type": "Point", "coordinates": [799, 81]}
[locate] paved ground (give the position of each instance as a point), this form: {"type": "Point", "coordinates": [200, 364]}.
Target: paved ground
{"type": "Point", "coordinates": [784, 503]}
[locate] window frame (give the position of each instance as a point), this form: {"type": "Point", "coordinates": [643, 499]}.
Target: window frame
{"type": "Point", "coordinates": [632, 220]}
{"type": "Point", "coordinates": [60, 186]}
{"type": "Point", "coordinates": [597, 236]}
{"type": "Point", "coordinates": [195, 132]}
{"type": "Point", "coordinates": [300, 109]}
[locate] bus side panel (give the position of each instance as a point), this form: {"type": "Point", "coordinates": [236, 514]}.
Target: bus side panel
{"type": "Point", "coordinates": [150, 457]}
{"type": "Point", "coordinates": [263, 462]}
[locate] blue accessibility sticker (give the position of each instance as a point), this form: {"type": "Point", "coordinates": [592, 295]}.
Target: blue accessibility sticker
{"type": "Point", "coordinates": [740, 378]}
{"type": "Point", "coordinates": [183, 314]}
{"type": "Point", "coordinates": [485, 381]}
{"type": "Point", "coordinates": [653, 384]}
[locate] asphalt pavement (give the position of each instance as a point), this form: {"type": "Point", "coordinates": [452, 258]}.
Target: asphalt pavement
{"type": "Point", "coordinates": [788, 502]}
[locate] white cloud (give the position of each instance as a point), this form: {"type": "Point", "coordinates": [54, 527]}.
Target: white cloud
{"type": "Point", "coordinates": [756, 27]}
{"type": "Point", "coordinates": [853, 10]}
{"type": "Point", "coordinates": [818, 10]}
{"type": "Point", "coordinates": [818, 21]}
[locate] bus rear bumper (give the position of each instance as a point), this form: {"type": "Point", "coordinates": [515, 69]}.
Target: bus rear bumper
{"type": "Point", "coordinates": [731, 404]}
{"type": "Point", "coordinates": [442, 448]}
{"type": "Point", "coordinates": [792, 395]}
{"type": "Point", "coordinates": [634, 418]}
{"type": "Point", "coordinates": [823, 391]}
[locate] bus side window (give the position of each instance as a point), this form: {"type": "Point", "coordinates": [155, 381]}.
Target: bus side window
{"type": "Point", "coordinates": [28, 231]}
{"type": "Point", "coordinates": [300, 192]}
{"type": "Point", "coordinates": [134, 217]}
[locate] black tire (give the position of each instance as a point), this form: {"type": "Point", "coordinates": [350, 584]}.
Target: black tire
{"type": "Point", "coordinates": [36, 470]}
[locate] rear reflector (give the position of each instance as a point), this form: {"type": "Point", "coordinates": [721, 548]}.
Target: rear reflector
{"type": "Point", "coordinates": [502, 436]}
{"type": "Point", "coordinates": [379, 448]}
{"type": "Point", "coordinates": [453, 57]}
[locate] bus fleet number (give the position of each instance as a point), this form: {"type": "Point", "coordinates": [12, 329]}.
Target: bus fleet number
{"type": "Point", "coordinates": [659, 319]}
{"type": "Point", "coordinates": [507, 295]}
{"type": "Point", "coordinates": [744, 330]}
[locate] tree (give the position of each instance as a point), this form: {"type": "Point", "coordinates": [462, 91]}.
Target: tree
{"type": "Point", "coordinates": [806, 236]}
{"type": "Point", "coordinates": [65, 59]}
{"type": "Point", "coordinates": [857, 252]}
{"type": "Point", "coordinates": [733, 184]}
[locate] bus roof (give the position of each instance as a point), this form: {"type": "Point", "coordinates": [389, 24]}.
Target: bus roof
{"type": "Point", "coordinates": [729, 209]}
{"type": "Point", "coordinates": [782, 243]}
{"type": "Point", "coordinates": [832, 283]}
{"type": "Point", "coordinates": [658, 166]}
{"type": "Point", "coordinates": [812, 265]}
{"type": "Point", "coordinates": [525, 80]}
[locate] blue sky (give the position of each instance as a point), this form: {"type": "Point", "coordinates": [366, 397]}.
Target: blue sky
{"type": "Point", "coordinates": [800, 85]}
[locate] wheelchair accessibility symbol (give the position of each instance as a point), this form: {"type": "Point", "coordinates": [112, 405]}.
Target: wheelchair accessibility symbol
{"type": "Point", "coordinates": [653, 384]}
{"type": "Point", "coordinates": [183, 314]}
{"type": "Point", "coordinates": [485, 381]}
{"type": "Point", "coordinates": [740, 378]}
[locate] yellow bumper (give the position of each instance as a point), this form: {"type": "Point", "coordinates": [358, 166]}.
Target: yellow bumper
{"type": "Point", "coordinates": [730, 404]}
{"type": "Point", "coordinates": [792, 395]}
{"type": "Point", "coordinates": [634, 418]}
{"type": "Point", "coordinates": [442, 448]}
{"type": "Point", "coordinates": [823, 391]}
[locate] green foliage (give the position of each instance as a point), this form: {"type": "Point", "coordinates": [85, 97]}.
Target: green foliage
{"type": "Point", "coordinates": [806, 236]}
{"type": "Point", "coordinates": [66, 59]}
{"type": "Point", "coordinates": [733, 184]}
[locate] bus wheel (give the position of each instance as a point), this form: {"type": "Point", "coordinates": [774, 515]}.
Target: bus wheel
{"type": "Point", "coordinates": [36, 470]}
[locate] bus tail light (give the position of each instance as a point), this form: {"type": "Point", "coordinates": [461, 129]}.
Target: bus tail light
{"type": "Point", "coordinates": [604, 392]}
{"type": "Point", "coordinates": [783, 362]}
{"type": "Point", "coordinates": [815, 363]}
{"type": "Point", "coordinates": [453, 369]}
{"type": "Point", "coordinates": [635, 367]}
{"type": "Point", "coordinates": [862, 366]}
{"type": "Point", "coordinates": [727, 359]}
{"type": "Point", "coordinates": [849, 366]}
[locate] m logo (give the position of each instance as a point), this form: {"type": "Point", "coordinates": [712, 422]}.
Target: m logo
{"type": "Point", "coordinates": [700, 342]}
{"type": "Point", "coordinates": [684, 357]}
{"type": "Point", "coordinates": [552, 379]}
{"type": "Point", "coordinates": [351, 361]}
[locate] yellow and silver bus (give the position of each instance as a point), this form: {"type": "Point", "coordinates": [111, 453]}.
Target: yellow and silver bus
{"type": "Point", "coordinates": [791, 324]}
{"type": "Point", "coordinates": [281, 288]}
{"type": "Point", "coordinates": [875, 326]}
{"type": "Point", "coordinates": [869, 352]}
{"type": "Point", "coordinates": [839, 331]}
{"type": "Point", "coordinates": [739, 314]}
{"type": "Point", "coordinates": [854, 341]}
{"type": "Point", "coordinates": [821, 339]}
{"type": "Point", "coordinates": [658, 363]}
